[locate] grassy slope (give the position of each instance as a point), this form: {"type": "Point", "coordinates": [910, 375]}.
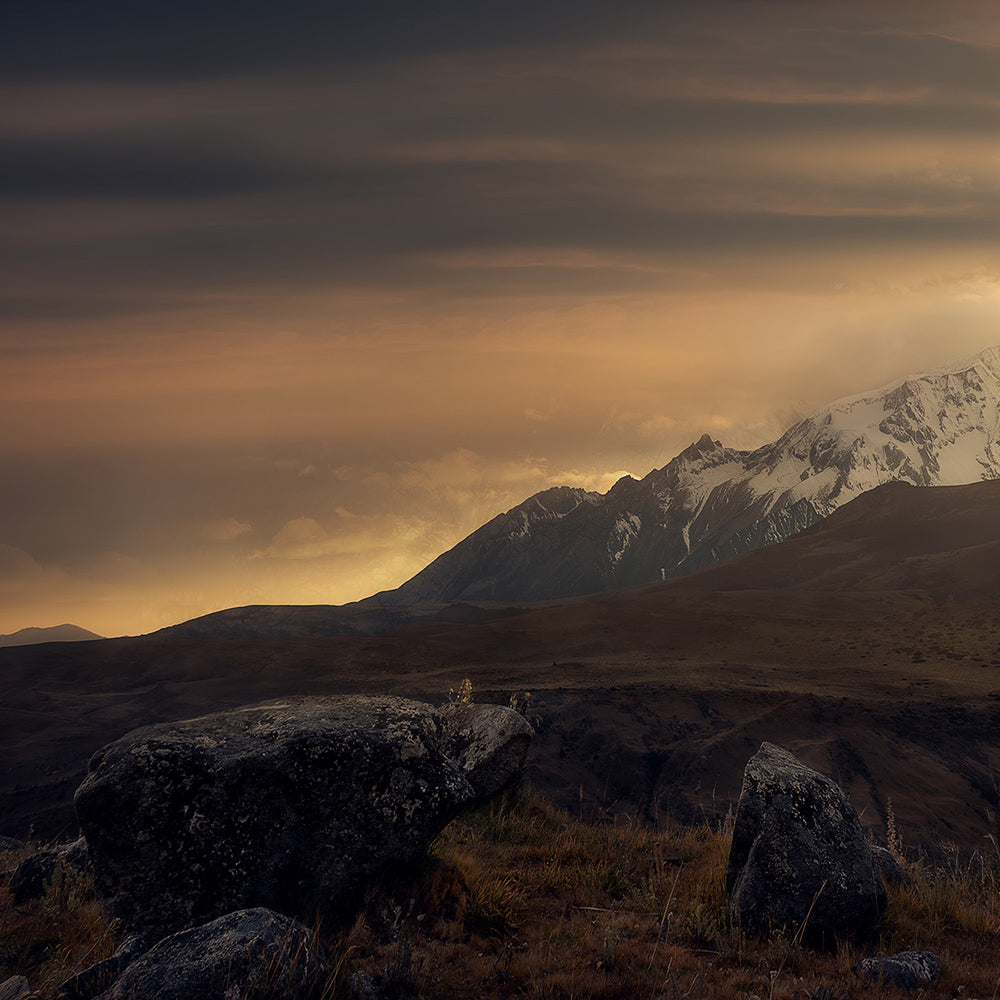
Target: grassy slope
{"type": "Point", "coordinates": [523, 900]}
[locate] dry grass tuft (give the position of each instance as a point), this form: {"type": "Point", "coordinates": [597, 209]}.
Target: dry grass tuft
{"type": "Point", "coordinates": [49, 939]}
{"type": "Point", "coordinates": [550, 907]}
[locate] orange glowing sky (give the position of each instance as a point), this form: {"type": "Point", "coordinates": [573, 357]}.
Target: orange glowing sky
{"type": "Point", "coordinates": [293, 298]}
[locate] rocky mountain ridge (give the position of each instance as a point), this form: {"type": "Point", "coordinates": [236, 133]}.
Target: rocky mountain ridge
{"type": "Point", "coordinates": [941, 428]}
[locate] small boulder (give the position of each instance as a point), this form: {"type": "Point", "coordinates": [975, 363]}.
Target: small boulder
{"type": "Point", "coordinates": [908, 970]}
{"type": "Point", "coordinates": [489, 743]}
{"type": "Point", "coordinates": [799, 858]}
{"type": "Point", "coordinates": [249, 953]}
{"type": "Point", "coordinates": [292, 805]}
{"type": "Point", "coordinates": [890, 868]}
{"type": "Point", "coordinates": [32, 877]}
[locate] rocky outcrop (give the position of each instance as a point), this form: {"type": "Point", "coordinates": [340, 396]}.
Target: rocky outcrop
{"type": "Point", "coordinates": [799, 858]}
{"type": "Point", "coordinates": [291, 805]}
{"type": "Point", "coordinates": [908, 970]}
{"type": "Point", "coordinates": [250, 953]}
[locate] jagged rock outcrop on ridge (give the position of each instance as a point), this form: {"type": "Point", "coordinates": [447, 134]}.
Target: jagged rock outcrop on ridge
{"type": "Point", "coordinates": [289, 805]}
{"type": "Point", "coordinates": [799, 857]}
{"type": "Point", "coordinates": [249, 953]}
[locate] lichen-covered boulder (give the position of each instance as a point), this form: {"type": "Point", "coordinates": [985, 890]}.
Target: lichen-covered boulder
{"type": "Point", "coordinates": [291, 805]}
{"type": "Point", "coordinates": [799, 857]}
{"type": "Point", "coordinates": [909, 970]}
{"type": "Point", "coordinates": [243, 955]}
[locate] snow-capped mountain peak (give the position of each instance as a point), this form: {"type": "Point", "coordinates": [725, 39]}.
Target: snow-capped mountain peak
{"type": "Point", "coordinates": [935, 429]}
{"type": "Point", "coordinates": [940, 428]}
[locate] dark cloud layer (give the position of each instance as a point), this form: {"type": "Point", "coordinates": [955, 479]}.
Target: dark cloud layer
{"type": "Point", "coordinates": [64, 39]}
{"type": "Point", "coordinates": [548, 139]}
{"type": "Point", "coordinates": [136, 165]}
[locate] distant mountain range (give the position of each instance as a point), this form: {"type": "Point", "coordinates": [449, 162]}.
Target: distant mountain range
{"type": "Point", "coordinates": [55, 633]}
{"type": "Point", "coordinates": [941, 428]}
{"type": "Point", "coordinates": [894, 542]}
{"type": "Point", "coordinates": [711, 503]}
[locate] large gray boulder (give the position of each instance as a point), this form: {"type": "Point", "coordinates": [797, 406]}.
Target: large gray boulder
{"type": "Point", "coordinates": [292, 805]}
{"type": "Point", "coordinates": [245, 955]}
{"type": "Point", "coordinates": [799, 858]}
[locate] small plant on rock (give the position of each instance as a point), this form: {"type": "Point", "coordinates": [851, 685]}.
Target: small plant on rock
{"type": "Point", "coordinates": [463, 696]}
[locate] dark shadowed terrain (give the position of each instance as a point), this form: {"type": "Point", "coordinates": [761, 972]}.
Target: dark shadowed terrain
{"type": "Point", "coordinates": [869, 645]}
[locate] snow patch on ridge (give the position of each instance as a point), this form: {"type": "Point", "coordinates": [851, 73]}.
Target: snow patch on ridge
{"type": "Point", "coordinates": [964, 460]}
{"type": "Point", "coordinates": [625, 531]}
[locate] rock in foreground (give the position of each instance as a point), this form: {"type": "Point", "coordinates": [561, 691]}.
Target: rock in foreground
{"type": "Point", "coordinates": [252, 953]}
{"type": "Point", "coordinates": [908, 970]}
{"type": "Point", "coordinates": [799, 856]}
{"type": "Point", "coordinates": [488, 742]}
{"type": "Point", "coordinates": [34, 875]}
{"type": "Point", "coordinates": [290, 805]}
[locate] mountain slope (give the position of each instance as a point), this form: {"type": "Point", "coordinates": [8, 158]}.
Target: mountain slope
{"type": "Point", "coordinates": [942, 542]}
{"type": "Point", "coordinates": [937, 429]}
{"type": "Point", "coordinates": [301, 621]}
{"type": "Point", "coordinates": [894, 542]}
{"type": "Point", "coordinates": [55, 633]}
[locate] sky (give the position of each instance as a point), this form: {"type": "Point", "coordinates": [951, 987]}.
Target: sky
{"type": "Point", "coordinates": [295, 296]}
